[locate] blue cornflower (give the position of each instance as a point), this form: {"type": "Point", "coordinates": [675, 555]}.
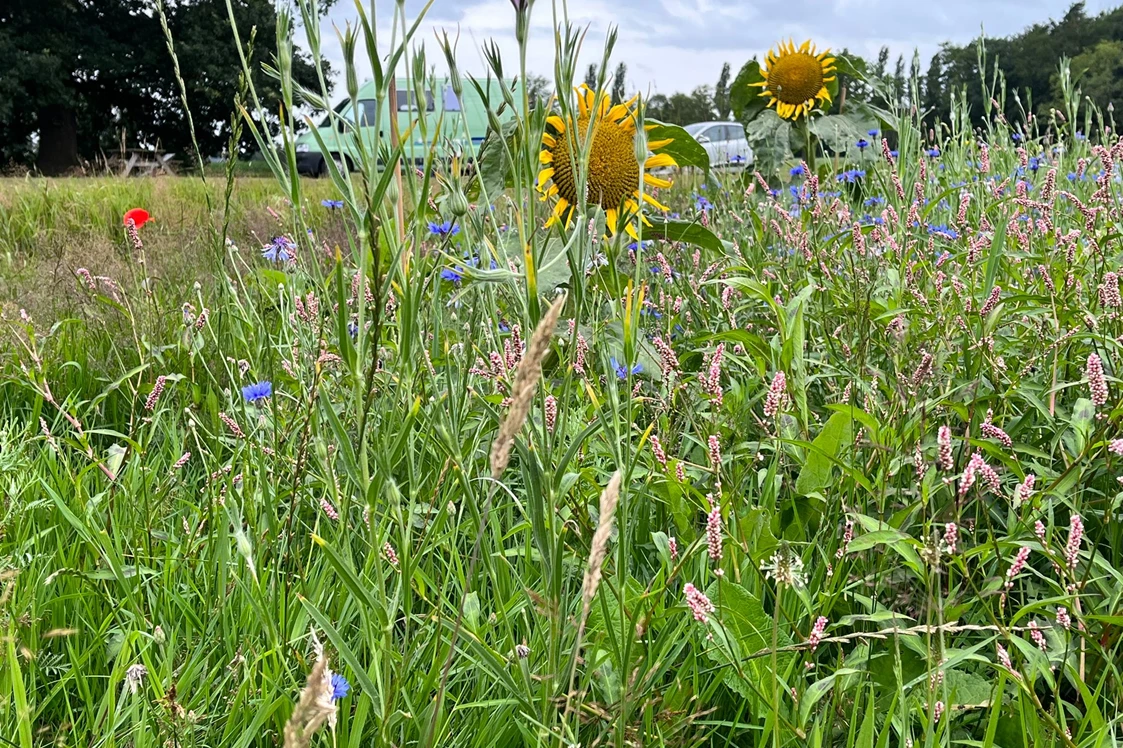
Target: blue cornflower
{"type": "Point", "coordinates": [862, 144]}
{"type": "Point", "coordinates": [943, 230]}
{"type": "Point", "coordinates": [279, 250]}
{"type": "Point", "coordinates": [852, 176]}
{"type": "Point", "coordinates": [1017, 137]}
{"type": "Point", "coordinates": [702, 203]}
{"type": "Point", "coordinates": [894, 154]}
{"type": "Point", "coordinates": [332, 204]}
{"type": "Point", "coordinates": [933, 152]}
{"type": "Point", "coordinates": [453, 275]}
{"type": "Point", "coordinates": [258, 391]}
{"type": "Point", "coordinates": [339, 687]}
{"type": "Point", "coordinates": [448, 228]}
{"type": "Point", "coordinates": [1079, 135]}
{"type": "Point", "coordinates": [797, 170]}
{"type": "Point", "coordinates": [1034, 164]}
{"type": "Point", "coordinates": [738, 159]}
{"type": "Point", "coordinates": [353, 329]}
{"type": "Point", "coordinates": [874, 133]}
{"type": "Point", "coordinates": [622, 370]}
{"type": "Point", "coordinates": [641, 245]}
{"type": "Point", "coordinates": [875, 200]}
{"type": "Point", "coordinates": [774, 193]}
{"type": "Point", "coordinates": [1072, 176]}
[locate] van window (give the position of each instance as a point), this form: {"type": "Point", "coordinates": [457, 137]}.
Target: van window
{"type": "Point", "coordinates": [407, 101]}
{"type": "Point", "coordinates": [450, 103]}
{"type": "Point", "coordinates": [369, 112]}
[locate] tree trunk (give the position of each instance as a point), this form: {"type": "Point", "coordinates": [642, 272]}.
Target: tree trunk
{"type": "Point", "coordinates": [58, 140]}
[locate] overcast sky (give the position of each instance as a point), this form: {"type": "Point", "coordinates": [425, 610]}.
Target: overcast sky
{"type": "Point", "coordinates": [675, 45]}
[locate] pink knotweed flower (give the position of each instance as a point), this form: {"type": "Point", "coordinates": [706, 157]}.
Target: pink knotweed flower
{"type": "Point", "coordinates": [711, 380]}
{"type": "Point", "coordinates": [989, 476]}
{"type": "Point", "coordinates": [231, 424]}
{"type": "Point", "coordinates": [668, 361]}
{"type": "Point", "coordinates": [154, 396]}
{"type": "Point", "coordinates": [1016, 567]}
{"type": "Point", "coordinates": [714, 537]}
{"type": "Point", "coordinates": [329, 510]}
{"type": "Point", "coordinates": [201, 320]}
{"type": "Point", "coordinates": [698, 603]}
{"type": "Point", "coordinates": [579, 355]}
{"type": "Point", "coordinates": [847, 536]}
{"type": "Point", "coordinates": [777, 393]}
{"type": "Point", "coordinates": [943, 443]}
{"type": "Point", "coordinates": [817, 632]}
{"type": "Point", "coordinates": [668, 273]}
{"type": "Point", "coordinates": [1097, 382]}
{"type": "Point", "coordinates": [1004, 660]}
{"type": "Point", "coordinates": [991, 302]}
{"type": "Point", "coordinates": [727, 298]}
{"type": "Point", "coordinates": [1075, 536]}
{"type": "Point", "coordinates": [984, 159]}
{"type": "Point", "coordinates": [390, 554]}
{"type": "Point", "coordinates": [970, 474]}
{"type": "Point", "coordinates": [1024, 490]}
{"type": "Point", "coordinates": [1039, 531]}
{"type": "Point", "coordinates": [1063, 618]}
{"type": "Point", "coordinates": [680, 472]}
{"type": "Point", "coordinates": [1109, 291]}
{"type": "Point", "coordinates": [715, 452]}
{"type": "Point", "coordinates": [657, 450]}
{"type": "Point", "coordinates": [1038, 637]}
{"type": "Point", "coordinates": [673, 545]}
{"type": "Point", "coordinates": [181, 461]}
{"type": "Point", "coordinates": [993, 432]}
{"type": "Point", "coordinates": [951, 537]}
{"type": "Point", "coordinates": [551, 413]}
{"type": "Point", "coordinates": [937, 711]}
{"type": "Point", "coordinates": [1116, 447]}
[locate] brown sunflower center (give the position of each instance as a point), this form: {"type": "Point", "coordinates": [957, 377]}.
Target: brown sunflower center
{"type": "Point", "coordinates": [795, 77]}
{"type": "Point", "coordinates": [613, 170]}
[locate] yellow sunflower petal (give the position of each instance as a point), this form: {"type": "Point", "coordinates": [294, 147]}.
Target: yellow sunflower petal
{"type": "Point", "coordinates": [545, 157]}
{"type": "Point", "coordinates": [610, 217]}
{"type": "Point", "coordinates": [559, 209]}
{"type": "Point", "coordinates": [556, 122]}
{"type": "Point", "coordinates": [657, 144]}
{"type": "Point", "coordinates": [544, 176]}
{"type": "Point", "coordinates": [548, 139]}
{"type": "Point", "coordinates": [656, 181]}
{"type": "Point", "coordinates": [655, 203]}
{"type": "Point", "coordinates": [659, 159]}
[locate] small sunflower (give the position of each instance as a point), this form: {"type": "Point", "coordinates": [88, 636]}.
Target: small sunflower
{"type": "Point", "coordinates": [614, 173]}
{"type": "Point", "coordinates": [796, 79]}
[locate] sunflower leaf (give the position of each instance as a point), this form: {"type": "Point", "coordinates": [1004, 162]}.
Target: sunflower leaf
{"type": "Point", "coordinates": [747, 100]}
{"type": "Point", "coordinates": [685, 150]}
{"type": "Point", "coordinates": [685, 231]}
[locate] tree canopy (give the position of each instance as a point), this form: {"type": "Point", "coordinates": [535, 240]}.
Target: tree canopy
{"type": "Point", "coordinates": [83, 76]}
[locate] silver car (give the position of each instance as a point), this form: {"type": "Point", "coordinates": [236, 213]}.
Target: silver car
{"type": "Point", "coordinates": [725, 143]}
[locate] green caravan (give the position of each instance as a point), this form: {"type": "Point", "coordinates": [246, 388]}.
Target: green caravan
{"type": "Point", "coordinates": [461, 121]}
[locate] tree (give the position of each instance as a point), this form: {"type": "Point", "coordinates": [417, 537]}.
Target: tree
{"type": "Point", "coordinates": [934, 98]}
{"type": "Point", "coordinates": [721, 93]}
{"type": "Point", "coordinates": [81, 75]}
{"type": "Point", "coordinates": [899, 80]}
{"type": "Point", "coordinates": [619, 84]}
{"type": "Point", "coordinates": [591, 76]}
{"type": "Point", "coordinates": [681, 108]}
{"type": "Point", "coordinates": [882, 63]}
{"type": "Point", "coordinates": [1098, 72]}
{"type": "Point", "coordinates": [539, 89]}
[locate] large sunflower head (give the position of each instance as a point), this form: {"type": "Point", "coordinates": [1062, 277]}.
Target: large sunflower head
{"type": "Point", "coordinates": [613, 178]}
{"type": "Point", "coordinates": [796, 78]}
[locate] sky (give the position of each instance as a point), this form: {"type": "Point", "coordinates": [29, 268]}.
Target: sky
{"type": "Point", "coordinates": [676, 45]}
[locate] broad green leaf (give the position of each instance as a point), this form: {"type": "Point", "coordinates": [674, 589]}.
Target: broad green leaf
{"type": "Point", "coordinates": [815, 475]}
{"type": "Point", "coordinates": [685, 150]}
{"type": "Point", "coordinates": [745, 99]}
{"type": "Point", "coordinates": [685, 231]}
{"type": "Point", "coordinates": [741, 629]}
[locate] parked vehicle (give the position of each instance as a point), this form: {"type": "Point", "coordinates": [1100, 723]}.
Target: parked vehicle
{"type": "Point", "coordinates": [442, 116]}
{"type": "Point", "coordinates": [725, 142]}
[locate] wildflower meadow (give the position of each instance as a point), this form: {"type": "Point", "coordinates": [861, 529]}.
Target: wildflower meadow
{"type": "Point", "coordinates": [577, 440]}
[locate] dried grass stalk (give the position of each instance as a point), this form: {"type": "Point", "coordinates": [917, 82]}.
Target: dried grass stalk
{"type": "Point", "coordinates": [314, 708]}
{"type": "Point", "coordinates": [608, 500]}
{"type": "Point", "coordinates": [522, 392]}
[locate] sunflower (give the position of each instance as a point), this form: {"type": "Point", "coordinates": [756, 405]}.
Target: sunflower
{"type": "Point", "coordinates": [796, 79]}
{"type": "Point", "coordinates": [614, 173]}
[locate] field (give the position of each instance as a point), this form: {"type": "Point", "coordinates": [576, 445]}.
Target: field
{"type": "Point", "coordinates": [825, 456]}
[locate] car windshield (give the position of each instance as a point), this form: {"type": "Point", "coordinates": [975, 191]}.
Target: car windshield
{"type": "Point", "coordinates": [696, 128]}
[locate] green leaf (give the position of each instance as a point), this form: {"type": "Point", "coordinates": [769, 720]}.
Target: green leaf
{"type": "Point", "coordinates": [747, 100]}
{"type": "Point", "coordinates": [683, 147]}
{"type": "Point", "coordinates": [494, 166]}
{"type": "Point", "coordinates": [741, 629]}
{"type": "Point", "coordinates": [815, 474]}
{"type": "Point", "coordinates": [685, 231]}
{"type": "Point", "coordinates": [770, 137]}
{"type": "Point", "coordinates": [840, 132]}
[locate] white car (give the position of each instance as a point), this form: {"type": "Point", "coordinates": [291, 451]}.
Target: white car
{"type": "Point", "coordinates": [725, 142]}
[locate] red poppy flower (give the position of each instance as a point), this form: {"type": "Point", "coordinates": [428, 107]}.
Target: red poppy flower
{"type": "Point", "coordinates": [139, 216]}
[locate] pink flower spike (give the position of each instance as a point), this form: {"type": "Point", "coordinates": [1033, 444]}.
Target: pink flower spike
{"type": "Point", "coordinates": [698, 603]}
